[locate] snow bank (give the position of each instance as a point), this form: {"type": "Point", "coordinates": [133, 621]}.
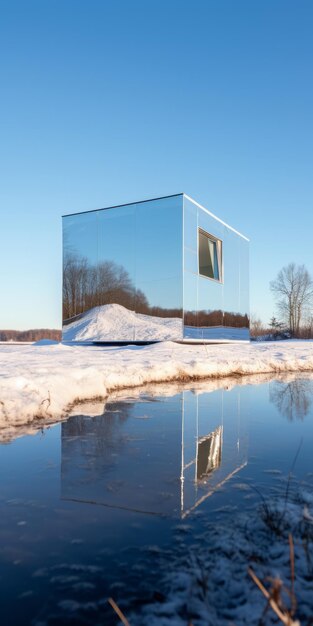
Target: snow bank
{"type": "Point", "coordinates": [43, 381]}
{"type": "Point", "coordinates": [113, 322]}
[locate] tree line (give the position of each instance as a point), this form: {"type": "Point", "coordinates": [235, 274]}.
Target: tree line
{"type": "Point", "coordinates": [30, 335]}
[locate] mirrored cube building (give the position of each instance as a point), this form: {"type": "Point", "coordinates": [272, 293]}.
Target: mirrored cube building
{"type": "Point", "coordinates": [156, 270]}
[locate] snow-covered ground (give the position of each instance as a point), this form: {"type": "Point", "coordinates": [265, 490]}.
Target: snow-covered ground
{"type": "Point", "coordinates": [43, 381]}
{"type": "Point", "coordinates": [113, 322]}
{"type": "Point", "coordinates": [209, 583]}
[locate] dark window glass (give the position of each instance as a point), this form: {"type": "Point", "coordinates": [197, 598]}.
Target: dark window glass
{"type": "Point", "coordinates": [209, 256]}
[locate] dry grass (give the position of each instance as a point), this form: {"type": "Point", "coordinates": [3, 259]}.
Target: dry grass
{"type": "Point", "coordinates": [274, 595]}
{"type": "Point", "coordinates": [121, 615]}
{"type": "Point", "coordinates": [118, 612]}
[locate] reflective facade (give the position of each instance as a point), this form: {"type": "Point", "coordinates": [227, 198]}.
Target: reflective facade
{"type": "Point", "coordinates": [132, 273]}
{"type": "Point", "coordinates": [214, 309]}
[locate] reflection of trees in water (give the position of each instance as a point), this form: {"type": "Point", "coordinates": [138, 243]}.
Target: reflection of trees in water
{"type": "Point", "coordinates": [97, 436]}
{"type": "Point", "coordinates": [86, 286]}
{"type": "Point", "coordinates": [292, 399]}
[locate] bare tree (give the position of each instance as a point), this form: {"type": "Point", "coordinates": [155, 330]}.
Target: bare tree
{"type": "Point", "coordinates": [292, 399]}
{"type": "Point", "coordinates": [293, 291]}
{"type": "Point", "coordinates": [256, 326]}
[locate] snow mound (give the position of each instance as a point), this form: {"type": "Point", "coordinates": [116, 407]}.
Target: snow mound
{"type": "Point", "coordinates": [113, 322]}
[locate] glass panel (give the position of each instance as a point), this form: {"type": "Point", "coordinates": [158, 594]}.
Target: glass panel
{"type": "Point", "coordinates": [210, 303]}
{"type": "Point", "coordinates": [190, 225]}
{"type": "Point", "coordinates": [159, 239]}
{"type": "Point", "coordinates": [190, 261]}
{"type": "Point", "coordinates": [216, 309]}
{"type": "Point", "coordinates": [235, 288]}
{"type": "Point", "coordinates": [203, 309]}
{"type": "Point", "coordinates": [244, 281]}
{"type": "Point", "coordinates": [210, 224]}
{"type": "Point", "coordinates": [80, 256]}
{"type": "Point", "coordinates": [191, 306]}
{"type": "Point", "coordinates": [123, 266]}
{"type": "Point", "coordinates": [159, 310]}
{"type": "Point", "coordinates": [231, 280]}
{"type": "Point", "coordinates": [116, 263]}
{"type": "Point", "coordinates": [159, 262]}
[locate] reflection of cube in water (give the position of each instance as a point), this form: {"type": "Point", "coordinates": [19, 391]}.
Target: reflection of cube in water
{"type": "Point", "coordinates": [160, 456]}
{"type": "Point", "coordinates": [209, 453]}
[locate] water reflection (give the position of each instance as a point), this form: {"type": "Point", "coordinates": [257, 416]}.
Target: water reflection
{"type": "Point", "coordinates": [140, 452]}
{"type": "Point", "coordinates": [293, 399]}
{"type": "Point", "coordinates": [159, 458]}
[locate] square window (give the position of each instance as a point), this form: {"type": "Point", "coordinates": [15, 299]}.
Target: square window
{"type": "Point", "coordinates": [210, 256]}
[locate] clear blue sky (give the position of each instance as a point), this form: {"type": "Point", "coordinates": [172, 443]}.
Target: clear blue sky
{"type": "Point", "coordinates": [110, 101]}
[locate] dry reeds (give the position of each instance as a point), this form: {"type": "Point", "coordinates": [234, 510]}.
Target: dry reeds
{"type": "Point", "coordinates": [274, 595]}
{"type": "Point", "coordinates": [118, 612]}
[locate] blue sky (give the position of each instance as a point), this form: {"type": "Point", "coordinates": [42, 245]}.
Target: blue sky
{"type": "Point", "coordinates": [110, 101]}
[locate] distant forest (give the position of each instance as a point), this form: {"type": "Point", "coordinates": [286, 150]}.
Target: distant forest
{"type": "Point", "coordinates": [30, 335]}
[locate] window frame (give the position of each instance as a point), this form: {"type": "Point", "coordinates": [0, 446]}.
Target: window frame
{"type": "Point", "coordinates": [219, 254]}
